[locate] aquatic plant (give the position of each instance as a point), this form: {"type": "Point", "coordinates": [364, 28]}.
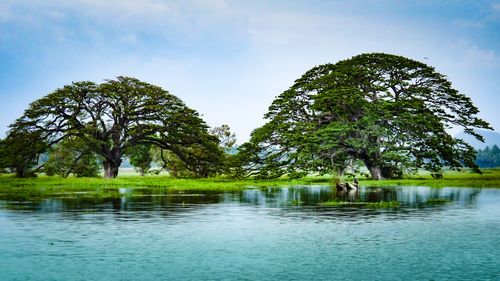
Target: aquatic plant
{"type": "Point", "coordinates": [383, 205]}
{"type": "Point", "coordinates": [335, 203]}
{"type": "Point", "coordinates": [12, 207]}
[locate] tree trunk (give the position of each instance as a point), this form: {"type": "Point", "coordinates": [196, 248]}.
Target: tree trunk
{"type": "Point", "coordinates": [375, 169]}
{"type": "Point", "coordinates": [25, 172]}
{"type": "Point", "coordinates": [376, 172]}
{"type": "Point", "coordinates": [20, 173]}
{"type": "Point", "coordinates": [373, 165]}
{"type": "Point", "coordinates": [111, 168]}
{"type": "Point", "coordinates": [112, 161]}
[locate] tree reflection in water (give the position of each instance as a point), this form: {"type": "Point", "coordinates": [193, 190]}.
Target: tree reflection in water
{"type": "Point", "coordinates": [291, 200]}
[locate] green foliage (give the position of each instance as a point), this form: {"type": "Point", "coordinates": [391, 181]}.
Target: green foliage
{"type": "Point", "coordinates": [140, 157]}
{"type": "Point", "coordinates": [3, 157]}
{"type": "Point", "coordinates": [114, 116]}
{"type": "Point", "coordinates": [201, 162]}
{"type": "Point", "coordinates": [231, 164]}
{"type": "Point", "coordinates": [20, 152]}
{"type": "Point", "coordinates": [87, 166]}
{"type": "Point", "coordinates": [173, 164]}
{"type": "Point", "coordinates": [389, 112]}
{"type": "Point", "coordinates": [211, 159]}
{"type": "Point", "coordinates": [72, 156]}
{"type": "Point", "coordinates": [488, 157]}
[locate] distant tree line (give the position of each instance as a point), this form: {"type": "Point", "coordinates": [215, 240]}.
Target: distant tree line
{"type": "Point", "coordinates": [488, 157]}
{"type": "Point", "coordinates": [386, 112]}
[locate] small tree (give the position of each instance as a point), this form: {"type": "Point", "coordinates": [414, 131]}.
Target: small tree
{"type": "Point", "coordinates": [88, 166]}
{"type": "Point", "coordinates": [20, 152]}
{"type": "Point", "coordinates": [201, 161]}
{"type": "Point", "coordinates": [140, 157]}
{"type": "Point", "coordinates": [232, 164]}
{"type": "Point", "coordinates": [72, 156]}
{"type": "Point", "coordinates": [227, 139]}
{"type": "Point", "coordinates": [224, 163]}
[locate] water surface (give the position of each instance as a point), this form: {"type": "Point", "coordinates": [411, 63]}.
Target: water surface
{"type": "Point", "coordinates": [257, 234]}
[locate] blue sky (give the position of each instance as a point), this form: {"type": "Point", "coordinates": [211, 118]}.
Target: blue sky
{"type": "Point", "coordinates": [229, 59]}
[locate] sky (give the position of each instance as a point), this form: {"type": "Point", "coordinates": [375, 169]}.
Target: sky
{"type": "Point", "coordinates": [230, 59]}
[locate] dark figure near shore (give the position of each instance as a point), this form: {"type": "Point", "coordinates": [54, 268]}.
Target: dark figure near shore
{"type": "Point", "coordinates": [346, 186]}
{"type": "Point", "coordinates": [355, 181]}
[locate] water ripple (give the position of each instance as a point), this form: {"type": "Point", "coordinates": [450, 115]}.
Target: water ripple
{"type": "Point", "coordinates": [273, 234]}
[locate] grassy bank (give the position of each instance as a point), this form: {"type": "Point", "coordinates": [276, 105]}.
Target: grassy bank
{"type": "Point", "coordinates": [161, 181]}
{"type": "Point", "coordinates": [465, 178]}
{"type": "Point", "coordinates": [21, 189]}
{"type": "Point", "coordinates": [26, 189]}
{"type": "Point", "coordinates": [489, 179]}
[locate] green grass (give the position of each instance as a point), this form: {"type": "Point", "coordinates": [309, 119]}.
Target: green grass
{"type": "Point", "coordinates": [24, 189]}
{"type": "Point", "coordinates": [41, 187]}
{"type": "Point", "coordinates": [489, 178]}
{"type": "Point", "coordinates": [154, 181]}
{"type": "Point", "coordinates": [437, 201]}
{"type": "Point", "coordinates": [465, 178]}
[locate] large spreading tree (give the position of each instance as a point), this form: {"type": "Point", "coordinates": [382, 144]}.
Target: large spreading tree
{"type": "Point", "coordinates": [388, 111]}
{"type": "Point", "coordinates": [114, 117]}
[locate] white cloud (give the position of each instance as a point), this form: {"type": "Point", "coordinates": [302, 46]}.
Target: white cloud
{"type": "Point", "coordinates": [122, 11]}
{"type": "Point", "coordinates": [474, 56]}
{"type": "Point", "coordinates": [467, 55]}
{"type": "Point", "coordinates": [270, 47]}
{"type": "Point", "coordinates": [491, 15]}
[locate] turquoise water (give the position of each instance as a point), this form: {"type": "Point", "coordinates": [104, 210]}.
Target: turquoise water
{"type": "Point", "coordinates": [255, 235]}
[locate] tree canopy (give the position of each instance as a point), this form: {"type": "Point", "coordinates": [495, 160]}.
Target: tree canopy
{"type": "Point", "coordinates": [388, 111]}
{"type": "Point", "coordinates": [115, 116]}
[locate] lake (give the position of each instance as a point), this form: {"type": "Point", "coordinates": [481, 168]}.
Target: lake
{"type": "Point", "coordinates": [256, 234]}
